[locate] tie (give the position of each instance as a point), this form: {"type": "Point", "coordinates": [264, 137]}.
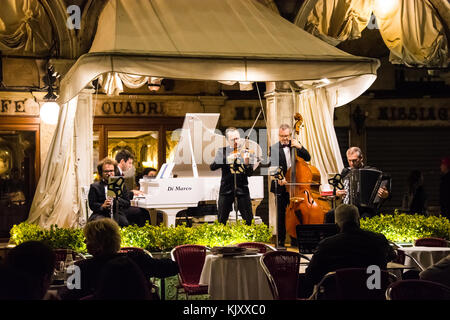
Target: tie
{"type": "Point", "coordinates": [285, 146]}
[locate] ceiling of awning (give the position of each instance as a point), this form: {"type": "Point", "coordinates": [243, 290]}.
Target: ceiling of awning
{"type": "Point", "coordinates": [234, 40]}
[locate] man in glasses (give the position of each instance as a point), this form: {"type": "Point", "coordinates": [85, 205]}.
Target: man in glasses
{"type": "Point", "coordinates": [99, 202]}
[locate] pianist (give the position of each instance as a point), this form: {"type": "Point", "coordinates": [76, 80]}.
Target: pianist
{"type": "Point", "coordinates": [236, 167]}
{"type": "Point", "coordinates": [355, 161]}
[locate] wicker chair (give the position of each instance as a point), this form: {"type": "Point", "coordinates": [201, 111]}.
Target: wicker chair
{"type": "Point", "coordinates": [282, 271]}
{"type": "Point", "coordinates": [417, 290]}
{"type": "Point", "coordinates": [190, 259]}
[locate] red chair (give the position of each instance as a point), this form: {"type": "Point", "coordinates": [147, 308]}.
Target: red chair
{"type": "Point", "coordinates": [431, 242]}
{"type": "Point", "coordinates": [190, 259]}
{"type": "Point", "coordinates": [282, 271]}
{"type": "Point", "coordinates": [352, 284]}
{"type": "Point", "coordinates": [262, 247]}
{"type": "Point", "coordinates": [417, 290]}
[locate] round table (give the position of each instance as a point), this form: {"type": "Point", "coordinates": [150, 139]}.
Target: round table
{"type": "Point", "coordinates": [426, 256]}
{"type": "Point", "coordinates": [235, 278]}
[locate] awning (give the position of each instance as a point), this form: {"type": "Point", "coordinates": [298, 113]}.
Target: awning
{"type": "Point", "coordinates": [223, 40]}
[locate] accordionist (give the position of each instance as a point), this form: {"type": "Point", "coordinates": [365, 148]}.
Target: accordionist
{"type": "Point", "coordinates": [355, 161]}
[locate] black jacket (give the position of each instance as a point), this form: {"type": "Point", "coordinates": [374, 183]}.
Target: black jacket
{"type": "Point", "coordinates": [90, 270]}
{"type": "Point", "coordinates": [97, 197]}
{"type": "Point", "coordinates": [352, 248]}
{"type": "Point", "coordinates": [227, 182]}
{"type": "Point", "coordinates": [278, 159]}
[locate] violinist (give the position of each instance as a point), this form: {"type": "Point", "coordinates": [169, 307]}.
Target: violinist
{"type": "Point", "coordinates": [236, 167]}
{"type": "Point", "coordinates": [280, 157]}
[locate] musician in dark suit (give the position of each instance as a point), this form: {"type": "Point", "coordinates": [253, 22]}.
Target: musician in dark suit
{"type": "Point", "coordinates": [236, 168]}
{"type": "Point", "coordinates": [280, 156]}
{"type": "Point", "coordinates": [135, 215]}
{"type": "Point", "coordinates": [355, 161]}
{"type": "Point", "coordinates": [99, 203]}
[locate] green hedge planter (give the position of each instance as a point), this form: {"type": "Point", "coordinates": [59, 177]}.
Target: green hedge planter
{"type": "Point", "coordinates": [405, 228]}
{"type": "Point", "coordinates": [152, 238]}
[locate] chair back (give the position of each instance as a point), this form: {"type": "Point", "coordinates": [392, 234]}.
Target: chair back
{"type": "Point", "coordinates": [354, 284]}
{"type": "Point", "coordinates": [262, 247]}
{"type": "Point", "coordinates": [431, 242]}
{"type": "Point", "coordinates": [190, 259]}
{"type": "Point", "coordinates": [282, 271]}
{"type": "Point", "coordinates": [413, 289]}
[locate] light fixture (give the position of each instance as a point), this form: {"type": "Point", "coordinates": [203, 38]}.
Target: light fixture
{"type": "Point", "coordinates": [50, 109]}
{"type": "Point", "coordinates": [50, 112]}
{"type": "Point", "coordinates": [245, 86]}
{"type": "Point", "coordinates": [154, 84]}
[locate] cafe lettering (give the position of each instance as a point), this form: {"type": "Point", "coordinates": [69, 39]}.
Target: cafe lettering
{"type": "Point", "coordinates": [132, 108]}
{"type": "Point", "coordinates": [413, 113]}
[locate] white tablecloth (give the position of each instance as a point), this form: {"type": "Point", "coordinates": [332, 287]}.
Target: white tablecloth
{"type": "Point", "coordinates": [235, 278]}
{"type": "Point", "coordinates": [426, 256]}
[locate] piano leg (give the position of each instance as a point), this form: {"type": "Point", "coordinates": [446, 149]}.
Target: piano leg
{"type": "Point", "coordinates": [169, 216]}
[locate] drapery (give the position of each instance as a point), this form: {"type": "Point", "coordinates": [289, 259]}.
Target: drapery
{"type": "Point", "coordinates": [67, 168]}
{"type": "Point", "coordinates": [317, 134]}
{"type": "Point", "coordinates": [413, 32]}
{"type": "Point", "coordinates": [24, 27]}
{"type": "Point", "coordinates": [411, 29]}
{"type": "Point", "coordinates": [336, 21]}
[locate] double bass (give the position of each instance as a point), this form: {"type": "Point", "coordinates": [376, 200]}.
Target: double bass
{"type": "Point", "coordinates": [303, 179]}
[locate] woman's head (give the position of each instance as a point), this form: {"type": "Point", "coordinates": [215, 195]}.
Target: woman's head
{"type": "Point", "coordinates": [102, 237]}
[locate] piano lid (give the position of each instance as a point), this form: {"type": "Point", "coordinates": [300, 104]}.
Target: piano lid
{"type": "Point", "coordinates": [198, 141]}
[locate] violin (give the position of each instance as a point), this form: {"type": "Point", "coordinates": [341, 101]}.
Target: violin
{"type": "Point", "coordinates": [303, 182]}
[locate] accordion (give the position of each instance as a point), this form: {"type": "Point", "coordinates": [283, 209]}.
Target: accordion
{"type": "Point", "coordinates": [364, 185]}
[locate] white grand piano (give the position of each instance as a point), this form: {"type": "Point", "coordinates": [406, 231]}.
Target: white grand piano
{"type": "Point", "coordinates": [188, 180]}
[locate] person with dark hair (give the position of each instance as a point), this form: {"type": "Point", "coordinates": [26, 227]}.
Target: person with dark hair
{"type": "Point", "coordinates": [102, 205]}
{"type": "Point", "coordinates": [122, 279]}
{"type": "Point", "coordinates": [135, 215]}
{"type": "Point", "coordinates": [444, 188]}
{"type": "Point", "coordinates": [414, 199]}
{"type": "Point", "coordinates": [36, 262]}
{"type": "Point", "coordinates": [236, 168]}
{"type": "Point", "coordinates": [103, 242]}
{"type": "Point", "coordinates": [438, 272]}
{"type": "Point", "coordinates": [280, 156]}
{"type": "Point", "coordinates": [351, 248]}
{"type": "Point", "coordinates": [150, 172]}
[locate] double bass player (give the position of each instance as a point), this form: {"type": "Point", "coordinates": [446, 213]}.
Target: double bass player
{"type": "Point", "coordinates": [280, 157]}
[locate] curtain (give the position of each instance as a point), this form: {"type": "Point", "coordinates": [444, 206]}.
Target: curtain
{"type": "Point", "coordinates": [83, 151]}
{"type": "Point", "coordinates": [24, 27]}
{"type": "Point", "coordinates": [317, 134]}
{"type": "Point", "coordinates": [413, 32]}
{"type": "Point", "coordinates": [53, 201]}
{"type": "Point", "coordinates": [336, 21]}
{"type": "Point", "coordinates": [411, 29]}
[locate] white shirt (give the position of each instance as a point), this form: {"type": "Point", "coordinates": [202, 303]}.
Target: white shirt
{"type": "Point", "coordinates": [287, 154]}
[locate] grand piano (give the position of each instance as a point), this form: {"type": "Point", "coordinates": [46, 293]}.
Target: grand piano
{"type": "Point", "coordinates": [188, 180]}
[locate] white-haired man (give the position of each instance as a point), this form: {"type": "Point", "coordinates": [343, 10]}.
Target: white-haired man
{"type": "Point", "coordinates": [236, 168]}
{"type": "Point", "coordinates": [352, 247]}
{"type": "Point", "coordinates": [356, 161]}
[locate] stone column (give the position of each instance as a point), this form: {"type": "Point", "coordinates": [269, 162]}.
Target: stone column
{"type": "Point", "coordinates": [280, 109]}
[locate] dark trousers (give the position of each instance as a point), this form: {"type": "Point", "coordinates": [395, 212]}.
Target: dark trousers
{"type": "Point", "coordinates": [244, 206]}
{"type": "Point", "coordinates": [121, 219]}
{"type": "Point", "coordinates": [137, 216]}
{"type": "Point", "coordinates": [282, 201]}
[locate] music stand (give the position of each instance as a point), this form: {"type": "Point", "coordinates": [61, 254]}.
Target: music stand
{"type": "Point", "coordinates": [336, 182]}
{"type": "Point", "coordinates": [115, 189]}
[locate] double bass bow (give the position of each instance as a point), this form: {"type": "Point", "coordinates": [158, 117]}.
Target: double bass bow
{"type": "Point", "coordinates": [303, 181]}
